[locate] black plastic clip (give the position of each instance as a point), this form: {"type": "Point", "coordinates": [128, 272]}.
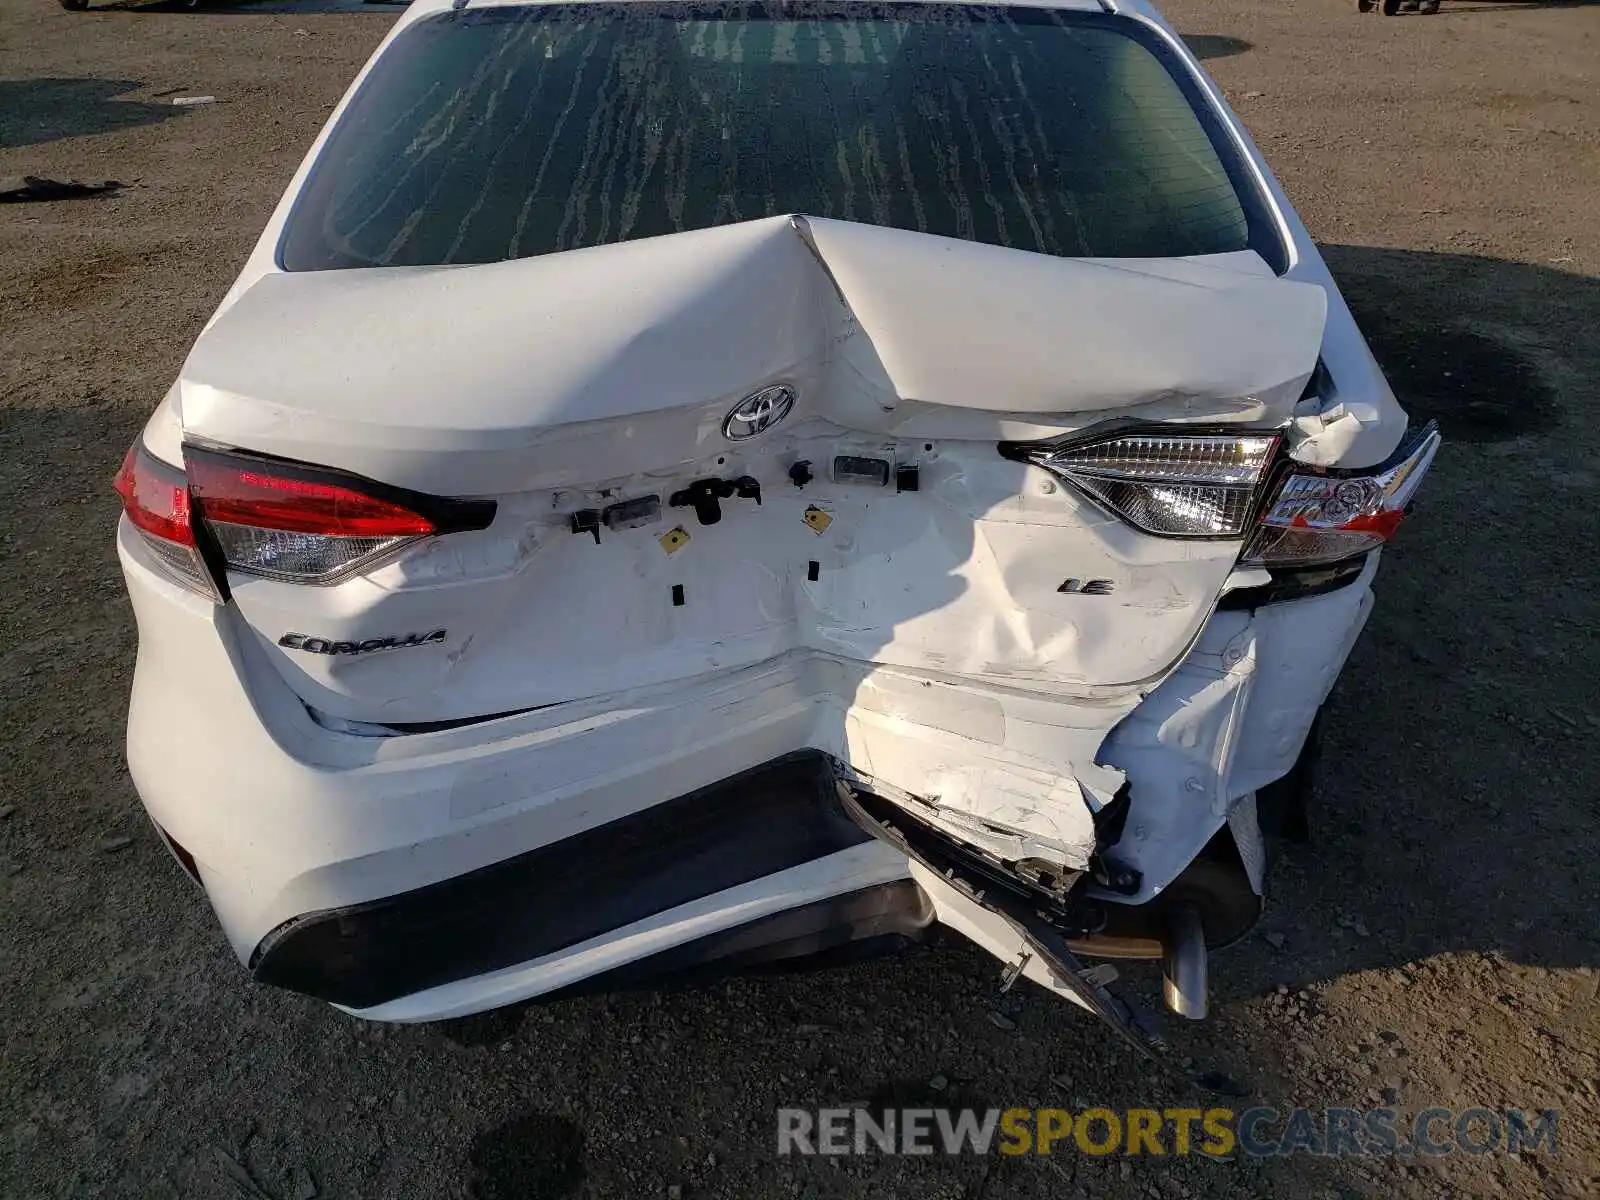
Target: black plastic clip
{"type": "Point", "coordinates": [587, 520]}
{"type": "Point", "coordinates": [705, 496]}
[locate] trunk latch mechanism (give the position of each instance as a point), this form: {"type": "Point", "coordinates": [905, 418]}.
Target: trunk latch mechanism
{"type": "Point", "coordinates": [705, 496]}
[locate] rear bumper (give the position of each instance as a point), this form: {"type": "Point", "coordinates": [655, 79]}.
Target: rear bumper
{"type": "Point", "coordinates": [438, 874]}
{"type": "Point", "coordinates": [761, 822]}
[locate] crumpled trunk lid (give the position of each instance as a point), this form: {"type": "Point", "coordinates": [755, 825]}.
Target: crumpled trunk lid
{"type": "Point", "coordinates": [574, 368]}
{"type": "Point", "coordinates": [564, 385]}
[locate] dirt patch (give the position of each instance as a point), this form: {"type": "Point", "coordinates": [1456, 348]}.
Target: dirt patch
{"type": "Point", "coordinates": [80, 282]}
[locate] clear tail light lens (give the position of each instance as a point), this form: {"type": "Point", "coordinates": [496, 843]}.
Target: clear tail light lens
{"type": "Point", "coordinates": [1171, 485]}
{"type": "Point", "coordinates": [155, 499]}
{"type": "Point", "coordinates": [306, 524]}
{"type": "Point", "coordinates": [1323, 516]}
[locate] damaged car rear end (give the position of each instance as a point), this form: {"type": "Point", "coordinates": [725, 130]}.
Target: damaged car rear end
{"type": "Point", "coordinates": [685, 484]}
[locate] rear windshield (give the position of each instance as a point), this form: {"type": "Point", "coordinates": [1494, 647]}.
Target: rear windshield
{"type": "Point", "coordinates": [516, 131]}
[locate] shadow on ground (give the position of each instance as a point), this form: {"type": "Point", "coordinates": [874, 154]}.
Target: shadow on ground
{"type": "Point", "coordinates": [533, 1156]}
{"type": "Point", "coordinates": [1214, 45]}
{"type": "Point", "coordinates": [33, 111]}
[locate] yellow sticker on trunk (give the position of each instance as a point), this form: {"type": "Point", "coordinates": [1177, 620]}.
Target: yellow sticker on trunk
{"type": "Point", "coordinates": [674, 539]}
{"type": "Point", "coordinates": [816, 518]}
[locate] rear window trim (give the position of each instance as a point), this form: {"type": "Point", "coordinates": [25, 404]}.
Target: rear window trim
{"type": "Point", "coordinates": [1266, 233]}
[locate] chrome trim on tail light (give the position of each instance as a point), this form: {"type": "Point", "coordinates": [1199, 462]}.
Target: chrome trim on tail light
{"type": "Point", "coordinates": [1160, 481]}
{"type": "Point", "coordinates": [1325, 515]}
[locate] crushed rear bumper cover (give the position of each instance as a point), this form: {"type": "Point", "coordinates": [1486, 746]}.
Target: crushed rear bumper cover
{"type": "Point", "coordinates": [425, 877]}
{"type": "Point", "coordinates": [762, 821]}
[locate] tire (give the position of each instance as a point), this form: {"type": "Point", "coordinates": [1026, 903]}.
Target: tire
{"type": "Point", "coordinates": [73, 5]}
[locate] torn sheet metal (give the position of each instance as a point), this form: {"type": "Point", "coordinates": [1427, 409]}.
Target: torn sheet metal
{"type": "Point", "coordinates": [1226, 723]}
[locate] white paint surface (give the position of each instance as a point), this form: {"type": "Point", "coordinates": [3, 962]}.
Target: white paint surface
{"type": "Point", "coordinates": [932, 654]}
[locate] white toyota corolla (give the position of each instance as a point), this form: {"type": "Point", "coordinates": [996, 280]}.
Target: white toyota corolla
{"type": "Point", "coordinates": [687, 484]}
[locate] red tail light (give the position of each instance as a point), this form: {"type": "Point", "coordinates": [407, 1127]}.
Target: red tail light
{"type": "Point", "coordinates": [309, 525]}
{"type": "Point", "coordinates": [155, 497]}
{"type": "Point", "coordinates": [239, 494]}
{"type": "Point", "coordinates": [277, 519]}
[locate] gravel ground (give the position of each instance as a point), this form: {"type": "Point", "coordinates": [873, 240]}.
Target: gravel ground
{"type": "Point", "coordinates": [1437, 944]}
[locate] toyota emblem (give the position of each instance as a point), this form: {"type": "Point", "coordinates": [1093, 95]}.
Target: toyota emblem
{"type": "Point", "coordinates": [757, 413]}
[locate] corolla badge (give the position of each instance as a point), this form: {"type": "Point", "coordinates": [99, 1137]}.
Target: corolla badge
{"type": "Point", "coordinates": [757, 413]}
{"type": "Point", "coordinates": [320, 645]}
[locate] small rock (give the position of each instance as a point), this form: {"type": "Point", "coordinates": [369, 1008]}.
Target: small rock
{"type": "Point", "coordinates": [6, 810]}
{"type": "Point", "coordinates": [1125, 1170]}
{"type": "Point", "coordinates": [1254, 95]}
{"type": "Point", "coordinates": [711, 1159]}
{"type": "Point", "coordinates": [111, 845]}
{"type": "Point", "coordinates": [674, 1191]}
{"type": "Point", "coordinates": [1361, 930]}
{"type": "Point", "coordinates": [938, 1083]}
{"type": "Point", "coordinates": [1061, 1081]}
{"type": "Point", "coordinates": [1000, 1021]}
{"type": "Point", "coordinates": [1275, 940]}
{"type": "Point", "coordinates": [1282, 989]}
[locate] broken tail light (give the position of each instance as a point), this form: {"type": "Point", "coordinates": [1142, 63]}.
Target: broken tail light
{"type": "Point", "coordinates": [1189, 485]}
{"type": "Point", "coordinates": [155, 499]}
{"type": "Point", "coordinates": [1321, 516]}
